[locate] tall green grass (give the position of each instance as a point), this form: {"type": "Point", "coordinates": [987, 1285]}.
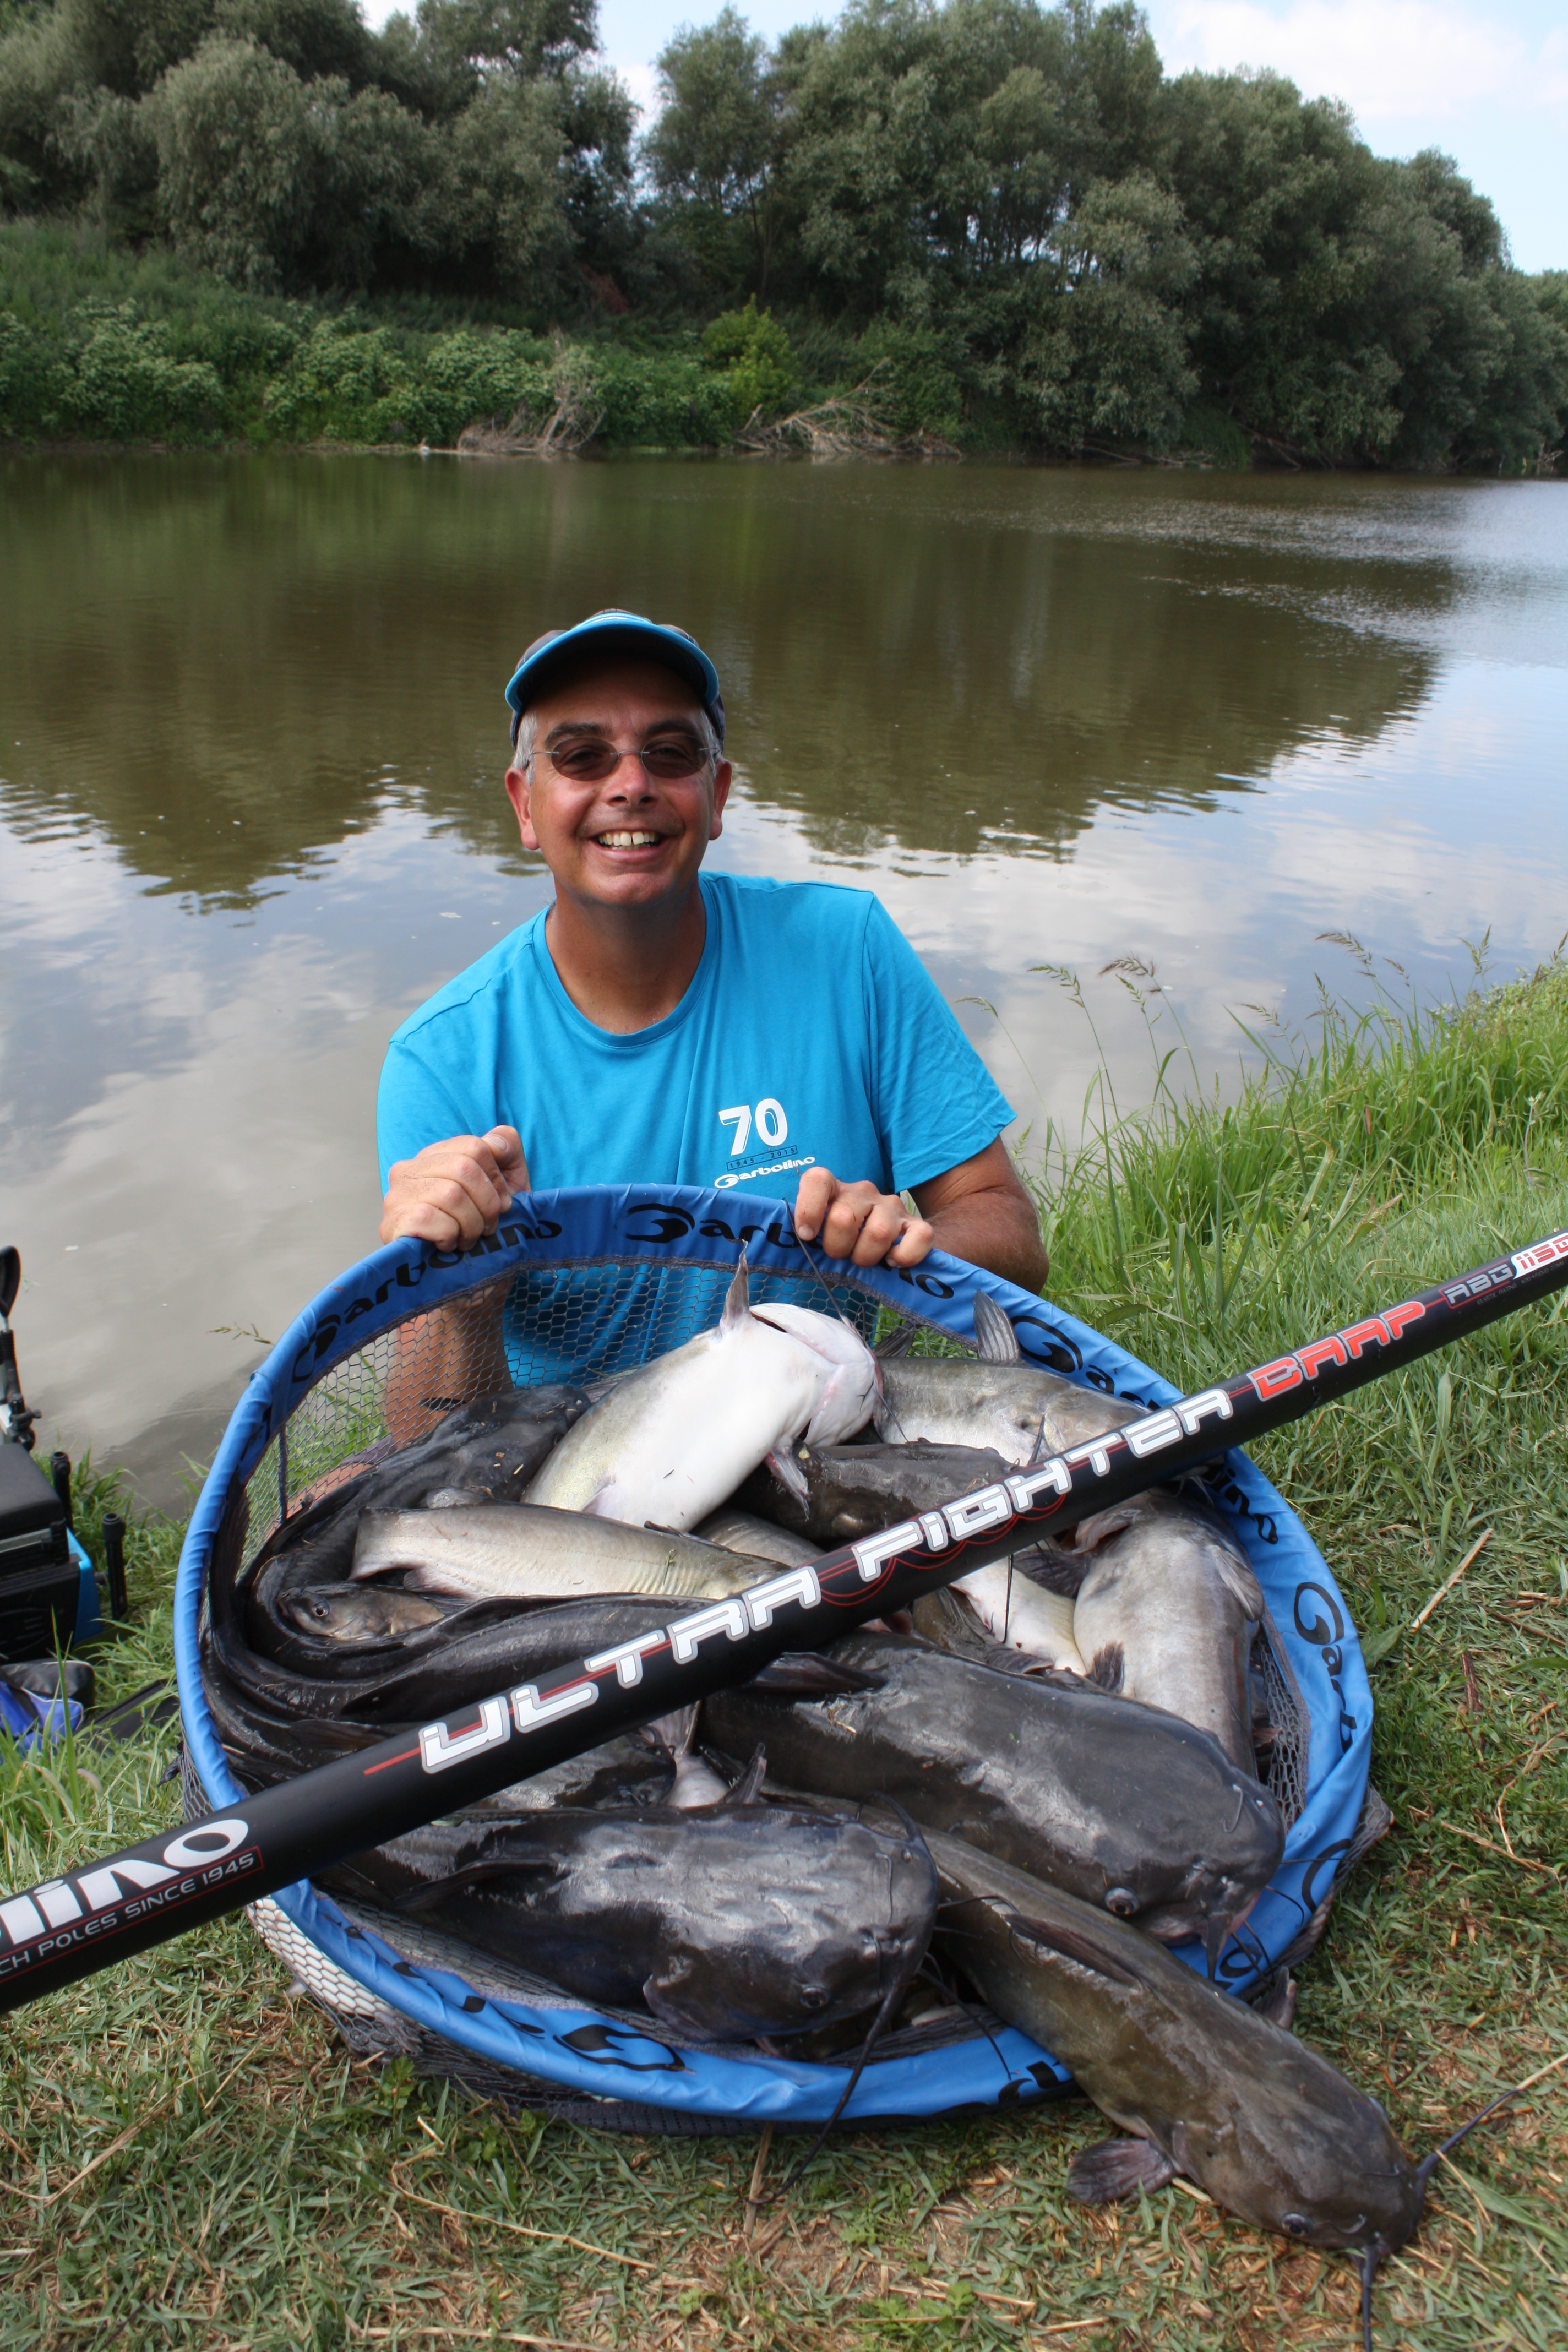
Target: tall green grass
{"type": "Point", "coordinates": [1380, 1153]}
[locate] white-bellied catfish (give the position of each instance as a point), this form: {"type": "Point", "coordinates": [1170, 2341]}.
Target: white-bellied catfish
{"type": "Point", "coordinates": [673, 1440]}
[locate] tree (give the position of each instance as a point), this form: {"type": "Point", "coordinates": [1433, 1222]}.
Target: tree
{"type": "Point", "coordinates": [716, 150]}
{"type": "Point", "coordinates": [243, 155]}
{"type": "Point", "coordinates": [1107, 359]}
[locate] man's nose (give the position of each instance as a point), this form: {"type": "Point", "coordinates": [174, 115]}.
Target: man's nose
{"type": "Point", "coordinates": [618, 782]}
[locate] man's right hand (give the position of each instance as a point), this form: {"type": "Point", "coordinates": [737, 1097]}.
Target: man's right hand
{"type": "Point", "coordinates": [456, 1191]}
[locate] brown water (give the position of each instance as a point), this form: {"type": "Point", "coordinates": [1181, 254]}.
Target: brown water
{"type": "Point", "coordinates": [251, 748]}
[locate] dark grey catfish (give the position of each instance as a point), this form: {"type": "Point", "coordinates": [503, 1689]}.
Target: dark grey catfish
{"type": "Point", "coordinates": [265, 1746]}
{"type": "Point", "coordinates": [494, 1445]}
{"type": "Point", "coordinates": [856, 1490]}
{"type": "Point", "coordinates": [1265, 2125]}
{"type": "Point", "coordinates": [1166, 1612]}
{"type": "Point", "coordinates": [849, 1491]}
{"type": "Point", "coordinates": [1128, 1808]}
{"type": "Point", "coordinates": [489, 1646]}
{"type": "Point", "coordinates": [741, 1920]}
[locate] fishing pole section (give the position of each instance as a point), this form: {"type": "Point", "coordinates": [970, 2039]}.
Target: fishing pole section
{"type": "Point", "coordinates": [92, 1917]}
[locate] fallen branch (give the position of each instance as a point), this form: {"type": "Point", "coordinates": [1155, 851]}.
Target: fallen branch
{"type": "Point", "coordinates": [522, 2230]}
{"type": "Point", "coordinates": [571, 424]}
{"type": "Point", "coordinates": [1449, 1583]}
{"type": "Point", "coordinates": [850, 425]}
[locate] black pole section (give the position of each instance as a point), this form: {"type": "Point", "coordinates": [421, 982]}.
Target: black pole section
{"type": "Point", "coordinates": [152, 1892]}
{"type": "Point", "coordinates": [60, 1475]}
{"type": "Point", "coordinates": [114, 1566]}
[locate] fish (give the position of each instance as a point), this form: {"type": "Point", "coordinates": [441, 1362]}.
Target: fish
{"type": "Point", "coordinates": [348, 1612]}
{"type": "Point", "coordinates": [536, 1551]}
{"type": "Point", "coordinates": [743, 1531]}
{"type": "Point", "coordinates": [738, 1920]}
{"type": "Point", "coordinates": [1166, 1612]}
{"type": "Point", "coordinates": [850, 1491]}
{"type": "Point", "coordinates": [1210, 2090]}
{"type": "Point", "coordinates": [1000, 1402]}
{"type": "Point", "coordinates": [1024, 1615]}
{"type": "Point", "coordinates": [266, 1745]}
{"type": "Point", "coordinates": [493, 1446]}
{"type": "Point", "coordinates": [476, 1650]}
{"type": "Point", "coordinates": [849, 1393]}
{"type": "Point", "coordinates": [949, 1620]}
{"type": "Point", "coordinates": [1129, 1808]}
{"type": "Point", "coordinates": [841, 1493]}
{"type": "Point", "coordinates": [695, 1782]}
{"type": "Point", "coordinates": [672, 1440]}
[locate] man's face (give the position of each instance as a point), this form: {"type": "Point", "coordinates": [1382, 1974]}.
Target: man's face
{"type": "Point", "coordinates": [631, 839]}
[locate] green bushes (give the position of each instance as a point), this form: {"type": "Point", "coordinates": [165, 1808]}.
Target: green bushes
{"type": "Point", "coordinates": [95, 345]}
{"type": "Point", "coordinates": [917, 376]}
{"type": "Point", "coordinates": [348, 382]}
{"type": "Point", "coordinates": [755, 351]}
{"type": "Point", "coordinates": [128, 385]}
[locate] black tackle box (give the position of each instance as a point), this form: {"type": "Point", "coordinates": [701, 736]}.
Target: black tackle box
{"type": "Point", "coordinates": [39, 1578]}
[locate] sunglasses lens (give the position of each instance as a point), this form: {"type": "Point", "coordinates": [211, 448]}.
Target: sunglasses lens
{"type": "Point", "coordinates": [671, 759]}
{"type": "Point", "coordinates": [585, 763]}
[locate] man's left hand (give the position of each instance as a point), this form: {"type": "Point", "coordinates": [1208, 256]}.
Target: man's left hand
{"type": "Point", "coordinates": [856, 1222]}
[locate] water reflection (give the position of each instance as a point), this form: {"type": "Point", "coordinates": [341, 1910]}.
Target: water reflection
{"type": "Point", "coordinates": [230, 666]}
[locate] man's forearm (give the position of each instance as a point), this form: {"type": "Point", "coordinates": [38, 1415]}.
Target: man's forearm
{"type": "Point", "coordinates": [998, 1229]}
{"type": "Point", "coordinates": [444, 1358]}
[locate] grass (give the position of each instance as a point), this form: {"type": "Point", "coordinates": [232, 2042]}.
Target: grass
{"type": "Point", "coordinates": [188, 2156]}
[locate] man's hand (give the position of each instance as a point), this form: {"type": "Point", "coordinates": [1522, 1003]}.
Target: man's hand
{"type": "Point", "coordinates": [454, 1191]}
{"type": "Point", "coordinates": [856, 1222]}
{"type": "Point", "coordinates": [978, 1211]}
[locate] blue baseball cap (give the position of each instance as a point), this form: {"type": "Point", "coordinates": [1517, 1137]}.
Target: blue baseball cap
{"type": "Point", "coordinates": [615, 632]}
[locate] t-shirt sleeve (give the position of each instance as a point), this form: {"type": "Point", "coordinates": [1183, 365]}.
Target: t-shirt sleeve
{"type": "Point", "coordinates": [934, 1101]}
{"type": "Point", "coordinates": [413, 1105]}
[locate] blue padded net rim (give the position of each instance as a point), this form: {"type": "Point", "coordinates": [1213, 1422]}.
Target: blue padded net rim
{"type": "Point", "coordinates": [670, 1224]}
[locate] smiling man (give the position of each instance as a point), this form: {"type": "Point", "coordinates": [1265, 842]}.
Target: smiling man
{"type": "Point", "coordinates": [656, 1024]}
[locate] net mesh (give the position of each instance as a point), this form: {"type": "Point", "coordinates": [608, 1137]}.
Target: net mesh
{"type": "Point", "coordinates": [582, 1322]}
{"type": "Point", "coordinates": [585, 1320]}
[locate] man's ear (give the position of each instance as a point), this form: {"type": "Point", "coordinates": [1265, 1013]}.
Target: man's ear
{"type": "Point", "coordinates": [517, 792]}
{"type": "Point", "coordinates": [722, 775]}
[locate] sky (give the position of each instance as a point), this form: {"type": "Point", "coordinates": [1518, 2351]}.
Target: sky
{"type": "Point", "coordinates": [1487, 85]}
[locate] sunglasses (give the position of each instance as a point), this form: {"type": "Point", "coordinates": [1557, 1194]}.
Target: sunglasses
{"type": "Point", "coordinates": [668, 759]}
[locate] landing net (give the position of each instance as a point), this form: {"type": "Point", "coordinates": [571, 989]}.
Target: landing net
{"type": "Point", "coordinates": [593, 1281]}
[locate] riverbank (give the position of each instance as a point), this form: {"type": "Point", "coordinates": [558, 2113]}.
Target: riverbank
{"type": "Point", "coordinates": [209, 2153]}
{"type": "Point", "coordinates": [103, 347]}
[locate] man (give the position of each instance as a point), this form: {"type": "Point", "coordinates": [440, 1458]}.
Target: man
{"type": "Point", "coordinates": [656, 1025]}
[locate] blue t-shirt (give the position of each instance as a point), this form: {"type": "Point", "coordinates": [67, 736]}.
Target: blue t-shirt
{"type": "Point", "coordinates": [810, 1034]}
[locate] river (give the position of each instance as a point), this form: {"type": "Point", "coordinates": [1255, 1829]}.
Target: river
{"type": "Point", "coordinates": [252, 751]}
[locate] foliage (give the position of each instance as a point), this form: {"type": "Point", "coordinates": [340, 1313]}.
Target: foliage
{"type": "Point", "coordinates": [1004, 208]}
{"type": "Point", "coordinates": [1106, 358]}
{"type": "Point", "coordinates": [666, 399]}
{"type": "Point", "coordinates": [755, 350]}
{"type": "Point", "coordinates": [714, 149]}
